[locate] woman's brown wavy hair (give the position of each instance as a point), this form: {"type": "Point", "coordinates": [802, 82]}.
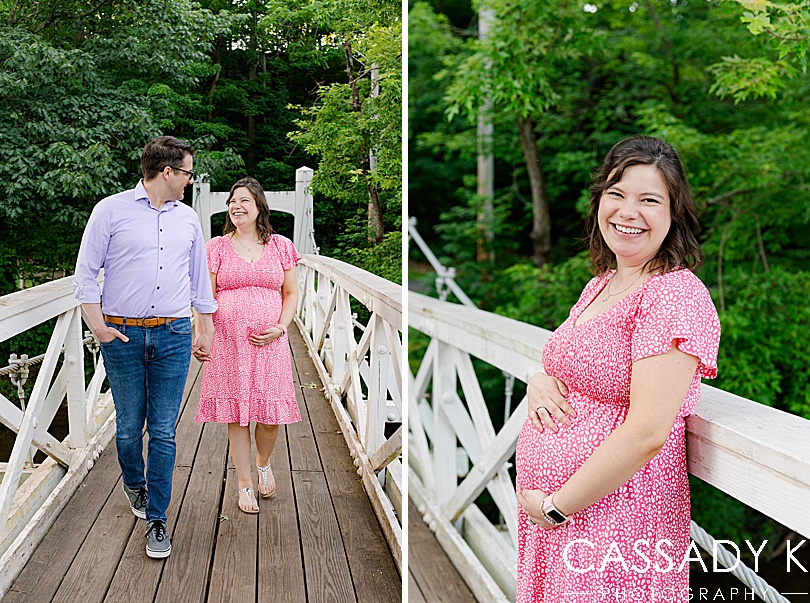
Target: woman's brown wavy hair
{"type": "Point", "coordinates": [680, 248]}
{"type": "Point", "coordinates": [263, 228]}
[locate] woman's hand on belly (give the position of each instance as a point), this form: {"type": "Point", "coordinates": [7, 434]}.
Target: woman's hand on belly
{"type": "Point", "coordinates": [265, 337]}
{"type": "Point", "coordinates": [547, 403]}
{"type": "Point", "coordinates": [531, 501]}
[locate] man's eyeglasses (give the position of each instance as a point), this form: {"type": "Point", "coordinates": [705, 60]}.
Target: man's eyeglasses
{"type": "Point", "coordinates": [191, 175]}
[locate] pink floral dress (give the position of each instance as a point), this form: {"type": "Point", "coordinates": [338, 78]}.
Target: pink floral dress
{"type": "Point", "coordinates": [243, 382]}
{"type": "Point", "coordinates": [629, 546]}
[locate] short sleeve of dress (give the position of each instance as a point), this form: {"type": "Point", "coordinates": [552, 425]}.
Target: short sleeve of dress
{"type": "Point", "coordinates": [287, 252]}
{"type": "Point", "coordinates": [213, 250]}
{"type": "Point", "coordinates": [677, 308]}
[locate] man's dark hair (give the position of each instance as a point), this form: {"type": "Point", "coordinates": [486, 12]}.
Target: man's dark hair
{"type": "Point", "coordinates": [163, 151]}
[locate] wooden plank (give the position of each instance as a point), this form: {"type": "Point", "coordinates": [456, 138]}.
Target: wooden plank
{"type": "Point", "coordinates": [373, 570]}
{"type": "Point", "coordinates": [480, 583]}
{"type": "Point", "coordinates": [138, 576]}
{"type": "Point", "coordinates": [328, 577]}
{"type": "Point", "coordinates": [280, 566]}
{"type": "Point", "coordinates": [414, 593]}
{"type": "Point", "coordinates": [27, 308]}
{"type": "Point", "coordinates": [97, 559]}
{"type": "Point", "coordinates": [435, 577]}
{"type": "Point", "coordinates": [185, 573]}
{"type": "Point", "coordinates": [374, 573]}
{"type": "Point", "coordinates": [732, 440]}
{"type": "Point", "coordinates": [390, 450]}
{"type": "Point", "coordinates": [301, 442]}
{"type": "Point", "coordinates": [505, 343]}
{"type": "Point", "coordinates": [383, 509]}
{"type": "Point", "coordinates": [43, 574]}
{"type": "Point", "coordinates": [36, 402]}
{"type": "Point", "coordinates": [233, 574]}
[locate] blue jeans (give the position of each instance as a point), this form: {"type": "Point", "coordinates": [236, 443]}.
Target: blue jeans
{"type": "Point", "coordinates": [147, 376]}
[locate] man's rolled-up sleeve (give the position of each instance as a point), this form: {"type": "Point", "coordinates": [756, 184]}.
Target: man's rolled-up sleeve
{"type": "Point", "coordinates": [92, 253]}
{"type": "Point", "coordinates": [202, 299]}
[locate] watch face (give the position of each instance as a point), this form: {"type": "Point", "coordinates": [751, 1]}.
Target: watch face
{"type": "Point", "coordinates": [556, 515]}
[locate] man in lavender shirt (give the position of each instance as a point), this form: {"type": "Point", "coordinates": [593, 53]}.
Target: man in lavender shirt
{"type": "Point", "coordinates": [155, 270]}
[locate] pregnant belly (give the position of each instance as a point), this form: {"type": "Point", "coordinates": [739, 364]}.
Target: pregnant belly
{"type": "Point", "coordinates": [546, 460]}
{"type": "Point", "coordinates": [246, 310]}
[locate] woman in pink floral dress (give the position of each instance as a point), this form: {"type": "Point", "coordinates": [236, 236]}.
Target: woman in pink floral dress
{"type": "Point", "coordinates": [601, 461]}
{"type": "Point", "coordinates": [249, 377]}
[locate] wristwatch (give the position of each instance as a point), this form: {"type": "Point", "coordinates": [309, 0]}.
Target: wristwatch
{"type": "Point", "coordinates": [552, 514]}
{"type": "Point", "coordinates": [282, 327]}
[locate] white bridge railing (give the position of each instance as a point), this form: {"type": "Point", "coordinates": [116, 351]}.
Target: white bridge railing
{"type": "Point", "coordinates": [31, 496]}
{"type": "Point", "coordinates": [360, 366]}
{"type": "Point", "coordinates": [758, 455]}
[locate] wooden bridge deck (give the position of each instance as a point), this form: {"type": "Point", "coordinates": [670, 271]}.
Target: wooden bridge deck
{"type": "Point", "coordinates": [316, 540]}
{"type": "Point", "coordinates": [432, 577]}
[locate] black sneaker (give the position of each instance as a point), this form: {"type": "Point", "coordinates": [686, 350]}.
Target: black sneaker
{"type": "Point", "coordinates": [137, 501]}
{"type": "Point", "coordinates": [158, 543]}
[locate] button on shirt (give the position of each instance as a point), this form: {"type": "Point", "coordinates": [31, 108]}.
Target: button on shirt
{"type": "Point", "coordinates": [154, 260]}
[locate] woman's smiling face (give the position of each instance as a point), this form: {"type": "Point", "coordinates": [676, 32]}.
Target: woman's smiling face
{"type": "Point", "coordinates": [242, 207]}
{"type": "Point", "coordinates": [634, 215]}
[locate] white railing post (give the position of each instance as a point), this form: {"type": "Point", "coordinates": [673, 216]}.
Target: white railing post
{"type": "Point", "coordinates": [443, 436]}
{"type": "Point", "coordinates": [378, 388]}
{"type": "Point", "coordinates": [342, 330]}
{"type": "Point", "coordinates": [78, 411]}
{"type": "Point", "coordinates": [203, 205]}
{"type": "Point", "coordinates": [304, 237]}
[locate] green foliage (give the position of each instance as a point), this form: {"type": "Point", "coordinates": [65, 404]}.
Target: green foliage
{"type": "Point", "coordinates": [783, 30]}
{"type": "Point", "coordinates": [522, 57]}
{"type": "Point", "coordinates": [439, 150]}
{"type": "Point", "coordinates": [68, 134]}
{"type": "Point", "coordinates": [384, 260]}
{"type": "Point", "coordinates": [765, 352]}
{"type": "Point", "coordinates": [542, 296]}
{"type": "Point", "coordinates": [340, 133]}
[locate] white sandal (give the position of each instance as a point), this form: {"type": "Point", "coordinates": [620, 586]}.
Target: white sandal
{"type": "Point", "coordinates": [251, 498]}
{"type": "Point", "coordinates": [263, 472]}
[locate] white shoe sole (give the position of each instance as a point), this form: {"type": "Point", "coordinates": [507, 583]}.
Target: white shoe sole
{"type": "Point", "coordinates": [158, 554]}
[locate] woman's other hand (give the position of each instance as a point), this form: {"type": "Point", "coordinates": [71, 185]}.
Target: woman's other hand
{"type": "Point", "coordinates": [531, 501]}
{"type": "Point", "coordinates": [547, 404]}
{"type": "Point", "coordinates": [265, 337]}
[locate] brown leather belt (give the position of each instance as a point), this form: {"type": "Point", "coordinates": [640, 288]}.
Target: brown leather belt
{"type": "Point", "coordinates": [155, 321]}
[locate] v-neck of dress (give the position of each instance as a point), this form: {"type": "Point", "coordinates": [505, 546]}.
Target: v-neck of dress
{"type": "Point", "coordinates": [606, 310]}
{"type": "Point", "coordinates": [236, 251]}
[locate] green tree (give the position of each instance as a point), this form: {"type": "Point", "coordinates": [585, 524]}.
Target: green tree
{"type": "Point", "coordinates": [516, 68]}
{"type": "Point", "coordinates": [355, 126]}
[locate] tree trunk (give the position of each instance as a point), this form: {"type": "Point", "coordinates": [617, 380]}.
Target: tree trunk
{"type": "Point", "coordinates": [541, 222]}
{"type": "Point", "coordinates": [673, 57]}
{"type": "Point", "coordinates": [217, 61]}
{"type": "Point", "coordinates": [375, 223]}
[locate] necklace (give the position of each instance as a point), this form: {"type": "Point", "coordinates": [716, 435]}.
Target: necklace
{"type": "Point", "coordinates": [249, 249]}
{"type": "Point", "coordinates": [610, 282]}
